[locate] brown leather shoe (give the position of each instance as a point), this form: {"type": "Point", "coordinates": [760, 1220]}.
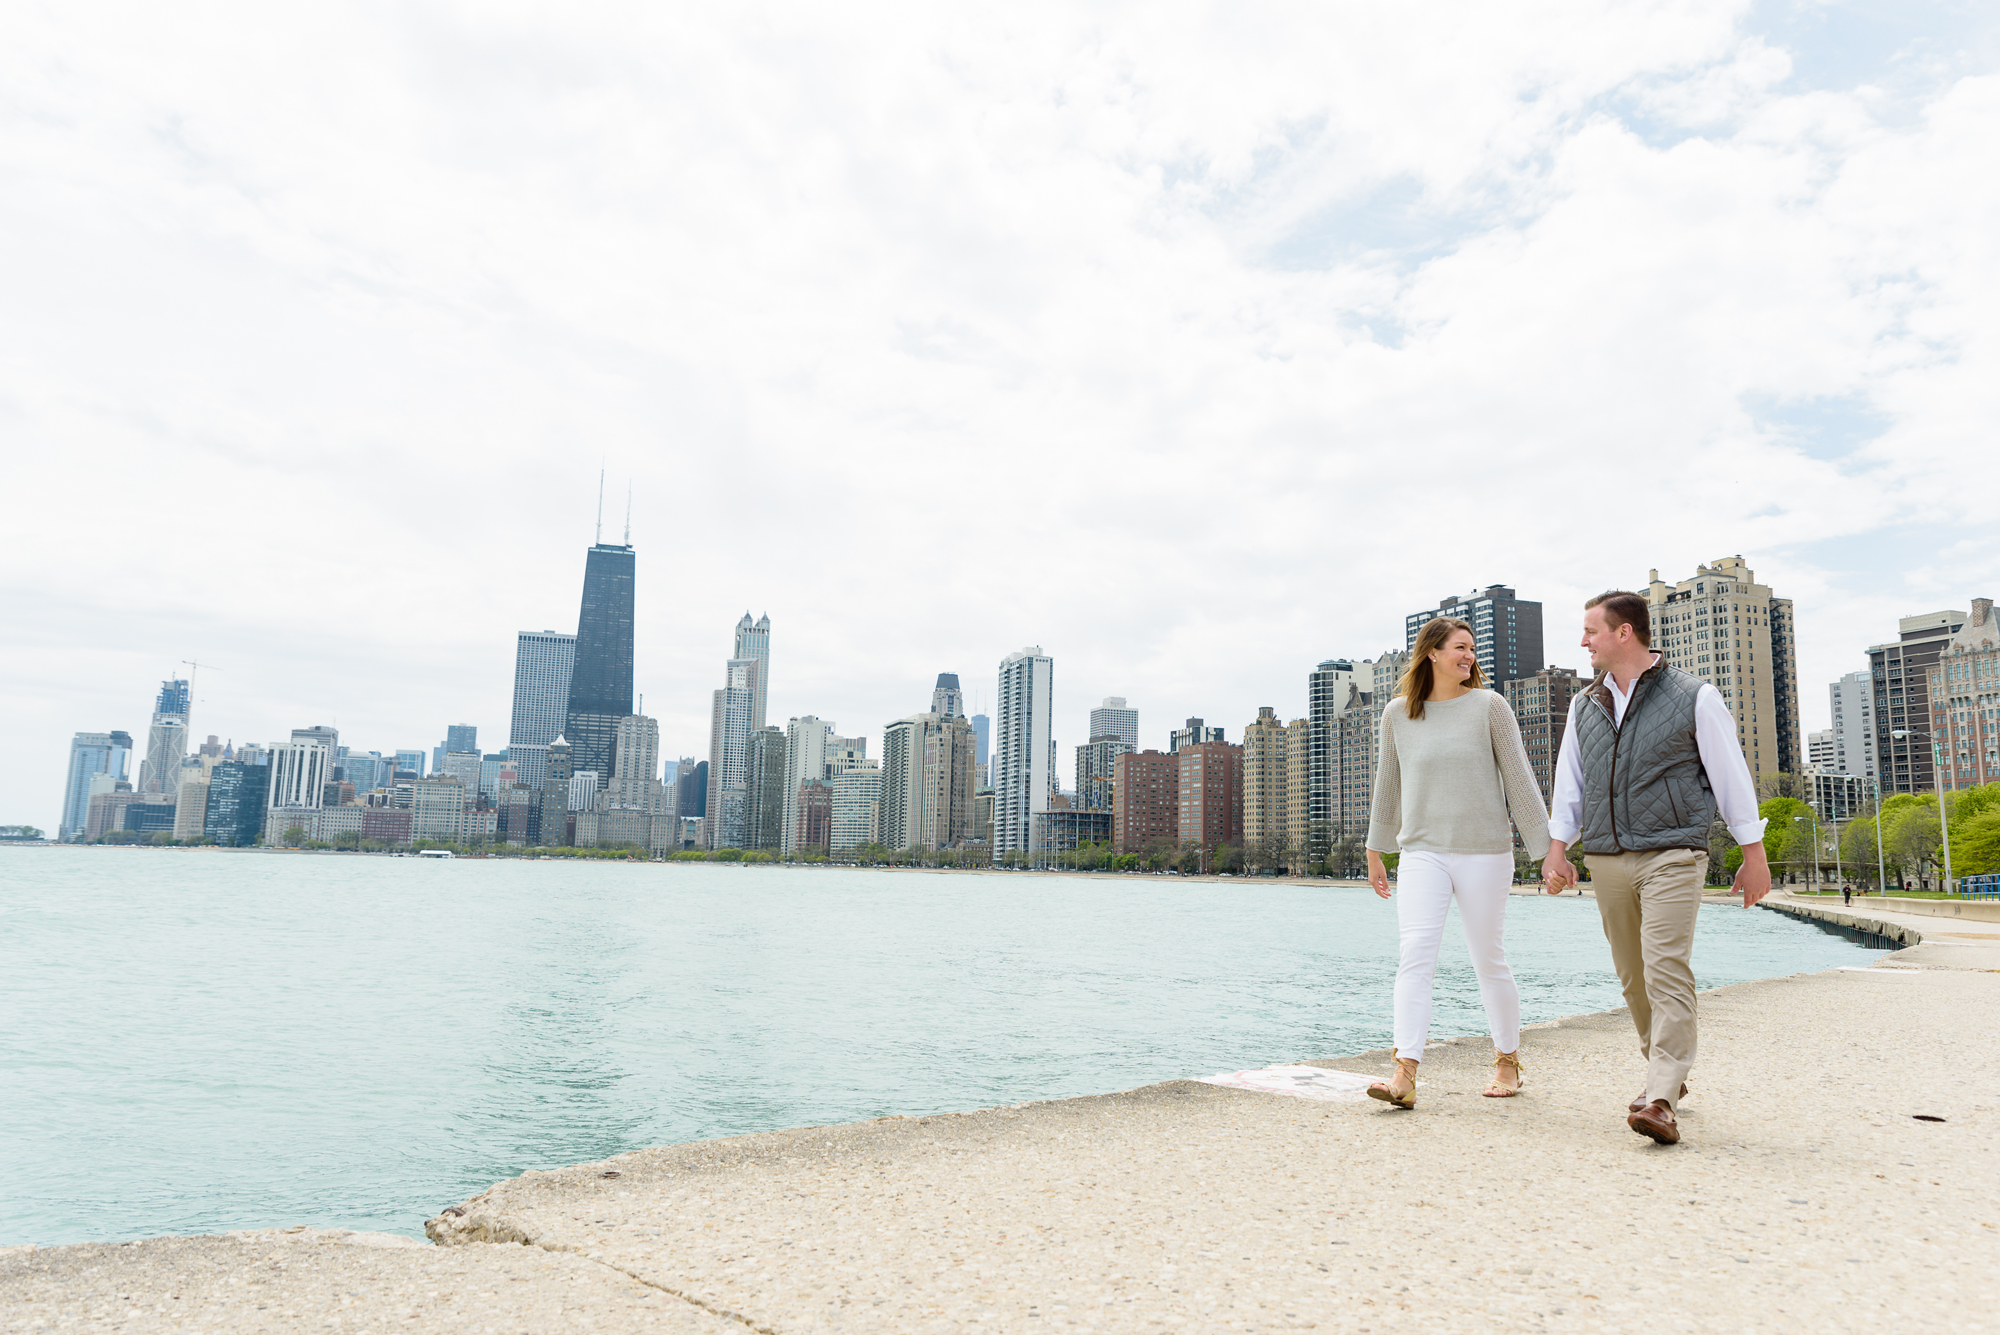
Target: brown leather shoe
{"type": "Point", "coordinates": [1636, 1104]}
{"type": "Point", "coordinates": [1656, 1119]}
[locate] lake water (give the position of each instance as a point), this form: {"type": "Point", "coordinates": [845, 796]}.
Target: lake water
{"type": "Point", "coordinates": [193, 1041]}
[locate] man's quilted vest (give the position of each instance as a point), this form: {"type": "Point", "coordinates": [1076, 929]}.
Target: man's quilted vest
{"type": "Point", "coordinates": [1644, 787]}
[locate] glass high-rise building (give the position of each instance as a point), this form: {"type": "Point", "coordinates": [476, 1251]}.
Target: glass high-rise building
{"type": "Point", "coordinates": [90, 754]}
{"type": "Point", "coordinates": [753, 643]}
{"type": "Point", "coordinates": [236, 799]}
{"type": "Point", "coordinates": [543, 660]}
{"type": "Point", "coordinates": [166, 739]}
{"type": "Point", "coordinates": [728, 751]}
{"type": "Point", "coordinates": [600, 684]}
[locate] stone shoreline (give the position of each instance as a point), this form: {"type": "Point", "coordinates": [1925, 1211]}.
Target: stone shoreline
{"type": "Point", "coordinates": [1807, 1193]}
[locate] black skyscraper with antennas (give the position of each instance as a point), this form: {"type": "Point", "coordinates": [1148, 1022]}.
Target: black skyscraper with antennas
{"type": "Point", "coordinates": [600, 684]}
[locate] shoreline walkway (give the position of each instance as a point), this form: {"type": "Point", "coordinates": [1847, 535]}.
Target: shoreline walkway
{"type": "Point", "coordinates": [1806, 1194]}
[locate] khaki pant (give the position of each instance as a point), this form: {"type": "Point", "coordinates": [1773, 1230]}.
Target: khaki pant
{"type": "Point", "coordinates": [1648, 903]}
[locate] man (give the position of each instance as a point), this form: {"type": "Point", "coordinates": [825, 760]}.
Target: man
{"type": "Point", "coordinates": [1846, 894]}
{"type": "Point", "coordinates": [1649, 756]}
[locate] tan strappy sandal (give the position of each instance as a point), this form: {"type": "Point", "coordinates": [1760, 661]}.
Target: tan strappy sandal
{"type": "Point", "coordinates": [1496, 1090]}
{"type": "Point", "coordinates": [1385, 1091]}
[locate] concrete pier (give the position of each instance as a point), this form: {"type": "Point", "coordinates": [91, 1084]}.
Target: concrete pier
{"type": "Point", "coordinates": [1841, 1169]}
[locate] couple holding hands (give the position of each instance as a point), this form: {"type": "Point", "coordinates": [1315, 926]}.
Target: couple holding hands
{"type": "Point", "coordinates": [1649, 757]}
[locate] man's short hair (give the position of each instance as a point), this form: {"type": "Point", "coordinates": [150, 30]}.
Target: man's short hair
{"type": "Point", "coordinates": [1623, 608]}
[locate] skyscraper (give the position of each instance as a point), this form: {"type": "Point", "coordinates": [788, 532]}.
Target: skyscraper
{"type": "Point", "coordinates": [552, 829]}
{"type": "Point", "coordinates": [1196, 733]}
{"type": "Point", "coordinates": [91, 754]}
{"type": "Point", "coordinates": [844, 753]}
{"type": "Point", "coordinates": [1022, 761]}
{"type": "Point", "coordinates": [728, 749]}
{"type": "Point", "coordinates": [946, 782]}
{"type": "Point", "coordinates": [1275, 788]}
{"type": "Point", "coordinates": [902, 773]}
{"type": "Point", "coordinates": [1541, 706]}
{"type": "Point", "coordinates": [328, 738]}
{"type": "Point", "coordinates": [542, 664]}
{"type": "Point", "coordinates": [768, 805]}
{"type": "Point", "coordinates": [753, 642]}
{"type": "Point", "coordinates": [1506, 632]}
{"type": "Point", "coordinates": [982, 733]}
{"type": "Point", "coordinates": [927, 782]}
{"type": "Point", "coordinates": [857, 806]}
{"type": "Point", "coordinates": [635, 768]}
{"type": "Point", "coordinates": [1114, 718]}
{"type": "Point", "coordinates": [299, 770]}
{"type": "Point", "coordinates": [691, 792]}
{"type": "Point", "coordinates": [1329, 688]}
{"type": "Point", "coordinates": [600, 686]}
{"type": "Point", "coordinates": [166, 739]}
{"type": "Point", "coordinates": [805, 762]}
{"type": "Point", "coordinates": [1732, 632]}
{"type": "Point", "coordinates": [947, 699]}
{"type": "Point", "coordinates": [236, 803]}
{"type": "Point", "coordinates": [1901, 671]}
{"type": "Point", "coordinates": [1210, 794]}
{"type": "Point", "coordinates": [1096, 766]}
{"type": "Point", "coordinates": [1965, 700]}
{"type": "Point", "coordinates": [461, 737]}
{"type": "Point", "coordinates": [1853, 701]}
{"type": "Point", "coordinates": [1145, 803]}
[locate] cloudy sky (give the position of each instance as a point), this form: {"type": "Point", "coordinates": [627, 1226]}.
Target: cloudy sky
{"type": "Point", "coordinates": [1192, 343]}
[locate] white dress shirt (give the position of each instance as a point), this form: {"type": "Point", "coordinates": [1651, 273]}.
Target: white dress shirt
{"type": "Point", "coordinates": [1715, 737]}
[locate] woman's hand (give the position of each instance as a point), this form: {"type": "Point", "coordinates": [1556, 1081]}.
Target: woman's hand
{"type": "Point", "coordinates": [1378, 875]}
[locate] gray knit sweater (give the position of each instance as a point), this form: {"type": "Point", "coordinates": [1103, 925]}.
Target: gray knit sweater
{"type": "Point", "coordinates": [1446, 782]}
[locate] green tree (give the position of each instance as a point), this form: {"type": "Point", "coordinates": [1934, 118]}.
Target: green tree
{"type": "Point", "coordinates": [1786, 839]}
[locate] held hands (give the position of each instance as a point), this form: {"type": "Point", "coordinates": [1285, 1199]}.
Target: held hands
{"type": "Point", "coordinates": [1378, 875]}
{"type": "Point", "coordinates": [1558, 872]}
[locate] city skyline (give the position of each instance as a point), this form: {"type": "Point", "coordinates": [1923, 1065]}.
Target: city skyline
{"type": "Point", "coordinates": [543, 648]}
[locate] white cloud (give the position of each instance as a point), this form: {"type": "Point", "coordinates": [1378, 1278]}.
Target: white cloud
{"type": "Point", "coordinates": [1193, 346]}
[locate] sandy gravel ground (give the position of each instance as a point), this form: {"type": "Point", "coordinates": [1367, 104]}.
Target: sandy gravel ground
{"type": "Point", "coordinates": [1806, 1195]}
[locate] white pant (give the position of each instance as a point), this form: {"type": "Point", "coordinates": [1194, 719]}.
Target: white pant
{"type": "Point", "coordinates": [1425, 884]}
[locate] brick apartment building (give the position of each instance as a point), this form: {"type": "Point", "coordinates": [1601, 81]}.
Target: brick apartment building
{"type": "Point", "coordinates": [1145, 800]}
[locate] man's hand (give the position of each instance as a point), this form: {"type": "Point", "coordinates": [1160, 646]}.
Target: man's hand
{"type": "Point", "coordinates": [1753, 878]}
{"type": "Point", "coordinates": [1378, 875]}
{"type": "Point", "coordinates": [1558, 872]}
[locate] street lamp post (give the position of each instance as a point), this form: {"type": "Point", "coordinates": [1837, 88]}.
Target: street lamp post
{"type": "Point", "coordinates": [1881, 867]}
{"type": "Point", "coordinates": [1818, 878]}
{"type": "Point", "coordinates": [1937, 775]}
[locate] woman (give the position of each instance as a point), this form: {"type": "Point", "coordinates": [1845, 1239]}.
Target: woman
{"type": "Point", "coordinates": [1451, 769]}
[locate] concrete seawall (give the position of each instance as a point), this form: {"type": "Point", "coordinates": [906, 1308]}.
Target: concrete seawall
{"type": "Point", "coordinates": [1841, 1170]}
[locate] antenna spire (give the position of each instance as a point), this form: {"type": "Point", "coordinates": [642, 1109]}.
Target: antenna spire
{"type": "Point", "coordinates": [600, 505]}
{"type": "Point", "coordinates": [628, 512]}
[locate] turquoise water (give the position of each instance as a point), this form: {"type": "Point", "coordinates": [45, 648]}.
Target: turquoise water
{"type": "Point", "coordinates": [196, 1041]}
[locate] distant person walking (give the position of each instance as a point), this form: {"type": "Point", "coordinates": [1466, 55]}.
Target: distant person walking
{"type": "Point", "coordinates": [1647, 758]}
{"type": "Point", "coordinates": [1452, 767]}
{"type": "Point", "coordinates": [1846, 894]}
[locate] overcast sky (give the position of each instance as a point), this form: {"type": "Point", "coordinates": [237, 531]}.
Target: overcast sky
{"type": "Point", "coordinates": [1193, 344]}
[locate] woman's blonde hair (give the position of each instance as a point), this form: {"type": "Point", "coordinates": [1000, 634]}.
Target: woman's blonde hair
{"type": "Point", "coordinates": [1415, 688]}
